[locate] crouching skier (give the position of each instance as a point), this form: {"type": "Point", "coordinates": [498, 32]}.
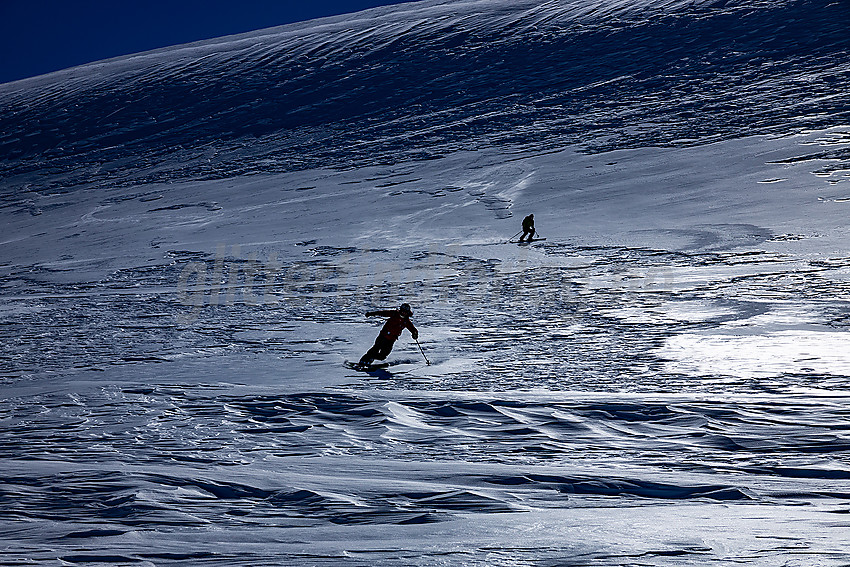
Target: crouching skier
{"type": "Point", "coordinates": [399, 319]}
{"type": "Point", "coordinates": [528, 228]}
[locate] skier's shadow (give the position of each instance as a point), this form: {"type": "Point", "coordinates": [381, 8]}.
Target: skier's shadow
{"type": "Point", "coordinates": [380, 373]}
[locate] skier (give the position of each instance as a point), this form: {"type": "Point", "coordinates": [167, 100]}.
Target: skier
{"type": "Point", "coordinates": [527, 228]}
{"type": "Point", "coordinates": [399, 319]}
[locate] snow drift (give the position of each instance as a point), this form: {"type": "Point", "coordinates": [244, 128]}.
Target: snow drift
{"type": "Point", "coordinates": [191, 237]}
{"type": "Point", "coordinates": [422, 79]}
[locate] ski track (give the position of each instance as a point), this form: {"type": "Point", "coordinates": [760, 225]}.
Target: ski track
{"type": "Point", "coordinates": [571, 408]}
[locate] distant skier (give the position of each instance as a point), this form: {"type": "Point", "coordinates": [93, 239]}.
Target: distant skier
{"type": "Point", "coordinates": [527, 228]}
{"type": "Point", "coordinates": [399, 319]}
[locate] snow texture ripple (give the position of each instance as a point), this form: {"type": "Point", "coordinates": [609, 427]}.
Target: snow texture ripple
{"type": "Point", "coordinates": [192, 236]}
{"type": "Point", "coordinates": [428, 78]}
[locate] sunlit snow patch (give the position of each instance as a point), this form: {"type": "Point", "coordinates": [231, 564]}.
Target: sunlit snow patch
{"type": "Point", "coordinates": [753, 356]}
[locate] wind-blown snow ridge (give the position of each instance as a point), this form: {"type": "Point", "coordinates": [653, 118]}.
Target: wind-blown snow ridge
{"type": "Point", "coordinates": [664, 376]}
{"type": "Point", "coordinates": [422, 79]}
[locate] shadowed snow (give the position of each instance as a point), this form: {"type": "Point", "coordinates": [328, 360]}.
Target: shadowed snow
{"type": "Point", "coordinates": [191, 238]}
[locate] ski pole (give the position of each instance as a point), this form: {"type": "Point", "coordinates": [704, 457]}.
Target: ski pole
{"type": "Point", "coordinates": [514, 236]}
{"type": "Point", "coordinates": [428, 362]}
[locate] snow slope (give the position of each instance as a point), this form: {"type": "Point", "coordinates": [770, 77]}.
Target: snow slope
{"type": "Point", "coordinates": [192, 235]}
{"type": "Point", "coordinates": [427, 78]}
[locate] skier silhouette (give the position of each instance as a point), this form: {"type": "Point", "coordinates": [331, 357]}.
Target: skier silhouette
{"type": "Point", "coordinates": [399, 319]}
{"type": "Point", "coordinates": [527, 228]}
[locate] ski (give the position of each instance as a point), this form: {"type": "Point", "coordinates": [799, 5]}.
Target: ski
{"type": "Point", "coordinates": [526, 241]}
{"type": "Point", "coordinates": [365, 367]}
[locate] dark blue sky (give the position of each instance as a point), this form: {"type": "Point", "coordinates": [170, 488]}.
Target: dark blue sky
{"type": "Point", "coordinates": [39, 36]}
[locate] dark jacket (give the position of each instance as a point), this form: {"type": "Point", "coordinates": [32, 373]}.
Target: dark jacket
{"type": "Point", "coordinates": [527, 223]}
{"type": "Point", "coordinates": [395, 324]}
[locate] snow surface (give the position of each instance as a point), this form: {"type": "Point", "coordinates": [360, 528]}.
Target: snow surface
{"type": "Point", "coordinates": [192, 236]}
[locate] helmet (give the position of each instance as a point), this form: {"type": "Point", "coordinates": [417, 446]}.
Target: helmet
{"type": "Point", "coordinates": [405, 309]}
